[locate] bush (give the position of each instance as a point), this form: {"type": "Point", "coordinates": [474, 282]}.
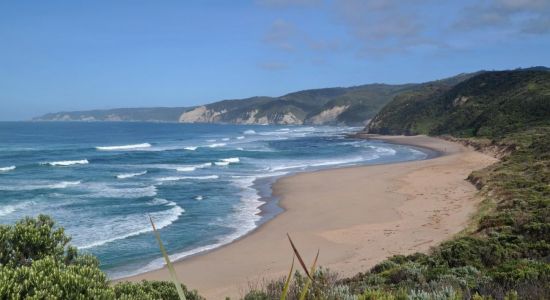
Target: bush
{"type": "Point", "coordinates": [48, 278]}
{"type": "Point", "coordinates": [32, 239]}
{"type": "Point", "coordinates": [151, 290]}
{"type": "Point", "coordinates": [37, 262]}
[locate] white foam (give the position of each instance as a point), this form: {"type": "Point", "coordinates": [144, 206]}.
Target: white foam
{"type": "Point", "coordinates": [39, 185]}
{"type": "Point", "coordinates": [202, 177]}
{"type": "Point", "coordinates": [384, 150]}
{"type": "Point", "coordinates": [192, 168]}
{"type": "Point", "coordinates": [199, 198]}
{"type": "Point", "coordinates": [100, 190]}
{"type": "Point", "coordinates": [177, 178]}
{"type": "Point", "coordinates": [227, 161]}
{"type": "Point", "coordinates": [64, 184]}
{"type": "Point", "coordinates": [240, 137]}
{"type": "Point", "coordinates": [8, 209]}
{"type": "Point", "coordinates": [6, 169]}
{"type": "Point", "coordinates": [249, 131]}
{"type": "Point", "coordinates": [124, 147]}
{"type": "Point", "coordinates": [287, 167]}
{"type": "Point", "coordinates": [65, 163]}
{"type": "Point", "coordinates": [186, 169]}
{"type": "Point", "coordinates": [323, 163]}
{"type": "Point", "coordinates": [159, 201]}
{"type": "Point", "coordinates": [216, 145]}
{"type": "Point", "coordinates": [225, 139]}
{"type": "Point", "coordinates": [243, 220]}
{"type": "Point", "coordinates": [124, 227]}
{"type": "Point", "coordinates": [211, 140]}
{"type": "Point", "coordinates": [231, 160]}
{"type": "Point", "coordinates": [130, 175]}
{"type": "Point", "coordinates": [190, 148]}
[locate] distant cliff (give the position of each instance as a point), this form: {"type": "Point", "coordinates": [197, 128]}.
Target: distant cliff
{"type": "Point", "coordinates": [329, 106]}
{"type": "Point", "coordinates": [152, 114]}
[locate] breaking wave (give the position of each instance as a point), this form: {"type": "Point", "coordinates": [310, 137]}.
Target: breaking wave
{"type": "Point", "coordinates": [132, 225]}
{"type": "Point", "coordinates": [124, 147]}
{"type": "Point", "coordinates": [130, 175]}
{"type": "Point", "coordinates": [64, 163]}
{"type": "Point", "coordinates": [6, 169]}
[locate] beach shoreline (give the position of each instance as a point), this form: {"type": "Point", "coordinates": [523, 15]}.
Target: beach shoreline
{"type": "Point", "coordinates": [383, 213]}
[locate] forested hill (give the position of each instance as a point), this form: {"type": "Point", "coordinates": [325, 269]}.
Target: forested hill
{"type": "Point", "coordinates": [489, 104]}
{"type": "Point", "coordinates": [354, 105]}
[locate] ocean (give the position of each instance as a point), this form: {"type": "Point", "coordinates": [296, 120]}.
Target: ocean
{"type": "Point", "coordinates": [204, 185]}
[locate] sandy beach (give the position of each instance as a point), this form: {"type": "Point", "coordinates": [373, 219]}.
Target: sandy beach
{"type": "Point", "coordinates": [356, 216]}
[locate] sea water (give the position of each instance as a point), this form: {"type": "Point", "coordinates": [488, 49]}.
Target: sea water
{"type": "Point", "coordinates": [203, 185]}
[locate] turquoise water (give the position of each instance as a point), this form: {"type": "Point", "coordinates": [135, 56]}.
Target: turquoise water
{"type": "Point", "coordinates": [204, 185]}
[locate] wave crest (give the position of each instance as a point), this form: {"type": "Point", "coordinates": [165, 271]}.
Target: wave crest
{"type": "Point", "coordinates": [124, 147]}
{"type": "Point", "coordinates": [6, 169]}
{"type": "Point", "coordinates": [177, 178]}
{"type": "Point", "coordinates": [216, 145]}
{"type": "Point", "coordinates": [64, 163]}
{"type": "Point", "coordinates": [129, 175]}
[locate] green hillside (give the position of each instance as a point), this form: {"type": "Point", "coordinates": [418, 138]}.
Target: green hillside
{"type": "Point", "coordinates": [489, 104]}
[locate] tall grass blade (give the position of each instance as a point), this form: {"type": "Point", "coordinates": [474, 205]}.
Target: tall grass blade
{"type": "Point", "coordinates": [303, 294]}
{"type": "Point", "coordinates": [173, 275]}
{"type": "Point", "coordinates": [299, 257]}
{"type": "Point", "coordinates": [287, 282]}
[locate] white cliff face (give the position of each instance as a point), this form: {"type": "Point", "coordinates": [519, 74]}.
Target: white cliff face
{"type": "Point", "coordinates": [328, 116]}
{"type": "Point", "coordinates": [249, 118]}
{"type": "Point", "coordinates": [201, 114]}
{"type": "Point", "coordinates": [290, 119]}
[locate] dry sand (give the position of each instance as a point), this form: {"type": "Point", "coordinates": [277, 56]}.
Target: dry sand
{"type": "Point", "coordinates": [356, 216]}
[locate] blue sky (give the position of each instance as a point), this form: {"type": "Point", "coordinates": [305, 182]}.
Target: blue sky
{"type": "Point", "coordinates": [76, 55]}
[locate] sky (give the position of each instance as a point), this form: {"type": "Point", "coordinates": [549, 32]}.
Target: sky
{"type": "Point", "coordinates": [79, 55]}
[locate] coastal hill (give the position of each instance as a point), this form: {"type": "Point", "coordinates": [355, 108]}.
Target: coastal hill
{"type": "Point", "coordinates": [488, 104]}
{"type": "Point", "coordinates": [149, 114]}
{"type": "Point", "coordinates": [328, 106]}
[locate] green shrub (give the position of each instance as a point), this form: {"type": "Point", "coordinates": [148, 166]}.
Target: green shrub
{"type": "Point", "coordinates": [36, 262]}
{"type": "Point", "coordinates": [48, 278]}
{"type": "Point", "coordinates": [151, 290]}
{"type": "Point", "coordinates": [32, 239]}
